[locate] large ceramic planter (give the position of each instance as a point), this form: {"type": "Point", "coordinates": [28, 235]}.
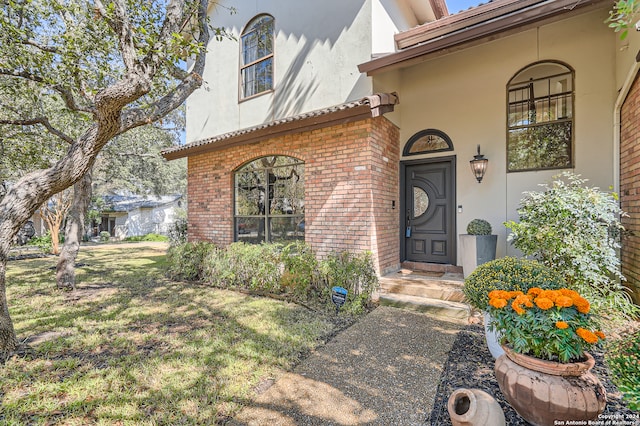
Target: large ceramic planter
{"type": "Point", "coordinates": [544, 392]}
{"type": "Point", "coordinates": [476, 250]}
{"type": "Point", "coordinates": [492, 337]}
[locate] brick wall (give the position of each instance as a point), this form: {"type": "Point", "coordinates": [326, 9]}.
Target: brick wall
{"type": "Point", "coordinates": [630, 187]}
{"type": "Point", "coordinates": [351, 181]}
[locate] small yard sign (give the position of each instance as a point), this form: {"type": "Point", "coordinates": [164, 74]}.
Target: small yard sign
{"type": "Point", "coordinates": [338, 296]}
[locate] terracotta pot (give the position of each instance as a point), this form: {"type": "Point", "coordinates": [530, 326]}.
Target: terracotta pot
{"type": "Point", "coordinates": [544, 392]}
{"type": "Point", "coordinates": [474, 407]}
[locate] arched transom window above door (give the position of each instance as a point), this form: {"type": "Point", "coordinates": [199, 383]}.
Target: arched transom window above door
{"type": "Point", "coordinates": [428, 141]}
{"type": "Point", "coordinates": [540, 118]}
{"type": "Point", "coordinates": [269, 200]}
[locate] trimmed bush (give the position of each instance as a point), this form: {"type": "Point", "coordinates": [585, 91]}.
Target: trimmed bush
{"type": "Point", "coordinates": [509, 274]}
{"type": "Point", "coordinates": [291, 272]}
{"type": "Point", "coordinates": [479, 227]}
{"type": "Point", "coordinates": [187, 261]}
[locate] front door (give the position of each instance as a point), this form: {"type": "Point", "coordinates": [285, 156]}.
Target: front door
{"type": "Point", "coordinates": [429, 211]}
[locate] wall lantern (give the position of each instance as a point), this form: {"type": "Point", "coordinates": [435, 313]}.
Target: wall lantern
{"type": "Point", "coordinates": [479, 165]}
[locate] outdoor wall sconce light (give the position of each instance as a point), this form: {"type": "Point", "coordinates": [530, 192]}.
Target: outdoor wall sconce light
{"type": "Point", "coordinates": [479, 165]}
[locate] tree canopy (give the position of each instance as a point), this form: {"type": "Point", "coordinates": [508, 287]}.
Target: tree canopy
{"type": "Point", "coordinates": [108, 67]}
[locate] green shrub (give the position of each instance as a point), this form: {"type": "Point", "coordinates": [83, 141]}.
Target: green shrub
{"type": "Point", "coordinates": [623, 358]}
{"type": "Point", "coordinates": [254, 267]}
{"type": "Point", "coordinates": [104, 236]}
{"type": "Point", "coordinates": [43, 242]}
{"type": "Point", "coordinates": [178, 232]}
{"type": "Point", "coordinates": [301, 276]}
{"type": "Point", "coordinates": [509, 274]}
{"type": "Point", "coordinates": [354, 272]}
{"type": "Point", "coordinates": [479, 227]}
{"type": "Point", "coordinates": [575, 230]}
{"type": "Point", "coordinates": [187, 261]}
{"type": "Point", "coordinates": [292, 272]}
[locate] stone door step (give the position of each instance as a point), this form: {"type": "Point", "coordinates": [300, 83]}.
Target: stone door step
{"type": "Point", "coordinates": [454, 311]}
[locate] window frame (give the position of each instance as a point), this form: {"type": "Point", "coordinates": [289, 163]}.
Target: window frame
{"type": "Point", "coordinates": [242, 66]}
{"type": "Point", "coordinates": [267, 215]}
{"type": "Point", "coordinates": [511, 86]}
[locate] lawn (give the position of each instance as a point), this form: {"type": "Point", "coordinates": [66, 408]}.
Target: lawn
{"type": "Point", "coordinates": [132, 347]}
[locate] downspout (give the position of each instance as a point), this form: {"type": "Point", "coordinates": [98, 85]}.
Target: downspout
{"type": "Point", "coordinates": [622, 95]}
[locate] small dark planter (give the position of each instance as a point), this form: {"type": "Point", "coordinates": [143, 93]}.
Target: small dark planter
{"type": "Point", "coordinates": [476, 250]}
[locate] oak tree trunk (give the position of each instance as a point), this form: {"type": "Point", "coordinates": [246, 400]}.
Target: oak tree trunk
{"type": "Point", "coordinates": [65, 271]}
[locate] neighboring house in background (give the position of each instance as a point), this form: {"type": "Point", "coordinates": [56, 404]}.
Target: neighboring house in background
{"type": "Point", "coordinates": [132, 215]}
{"type": "Point", "coordinates": [352, 124]}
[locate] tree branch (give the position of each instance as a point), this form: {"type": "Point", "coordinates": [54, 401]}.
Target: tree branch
{"type": "Point", "coordinates": [139, 117]}
{"type": "Point", "coordinates": [50, 49]}
{"type": "Point", "coordinates": [44, 121]}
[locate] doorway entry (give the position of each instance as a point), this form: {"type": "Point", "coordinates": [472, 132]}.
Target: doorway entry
{"type": "Point", "coordinates": [428, 222]}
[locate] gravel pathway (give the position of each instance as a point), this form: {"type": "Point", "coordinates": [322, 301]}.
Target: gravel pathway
{"type": "Point", "coordinates": [384, 370]}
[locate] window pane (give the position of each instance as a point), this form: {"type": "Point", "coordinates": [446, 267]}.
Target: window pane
{"type": "Point", "coordinates": [540, 147]}
{"type": "Point", "coordinates": [250, 229]}
{"type": "Point", "coordinates": [250, 194]}
{"type": "Point", "coordinates": [286, 228]}
{"type": "Point", "coordinates": [428, 143]}
{"type": "Point", "coordinates": [257, 78]}
{"type": "Point", "coordinates": [287, 190]}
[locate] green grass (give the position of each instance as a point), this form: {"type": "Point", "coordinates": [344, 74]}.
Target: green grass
{"type": "Point", "coordinates": [132, 347]}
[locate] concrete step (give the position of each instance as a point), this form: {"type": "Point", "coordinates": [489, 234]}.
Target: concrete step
{"type": "Point", "coordinates": [432, 267]}
{"type": "Point", "coordinates": [430, 288]}
{"type": "Point", "coordinates": [453, 311]}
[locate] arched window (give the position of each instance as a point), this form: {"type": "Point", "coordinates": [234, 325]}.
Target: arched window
{"type": "Point", "coordinates": [256, 57]}
{"type": "Point", "coordinates": [427, 141]}
{"type": "Point", "coordinates": [269, 200]}
{"type": "Point", "coordinates": [540, 118]}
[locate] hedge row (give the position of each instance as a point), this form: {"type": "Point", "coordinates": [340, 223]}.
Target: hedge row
{"type": "Point", "coordinates": [292, 272]}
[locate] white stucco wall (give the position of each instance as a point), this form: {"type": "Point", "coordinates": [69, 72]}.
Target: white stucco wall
{"type": "Point", "coordinates": [464, 95]}
{"type": "Point", "coordinates": [317, 51]}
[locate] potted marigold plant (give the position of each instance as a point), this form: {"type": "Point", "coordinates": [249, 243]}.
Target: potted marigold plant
{"type": "Point", "coordinates": [546, 335]}
{"type": "Point", "coordinates": [477, 246]}
{"type": "Point", "coordinates": [510, 274]}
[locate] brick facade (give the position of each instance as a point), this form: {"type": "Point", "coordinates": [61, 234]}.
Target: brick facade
{"type": "Point", "coordinates": [351, 185]}
{"type": "Point", "coordinates": [630, 187]}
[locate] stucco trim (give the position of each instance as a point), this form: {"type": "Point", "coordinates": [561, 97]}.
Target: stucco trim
{"type": "Point", "coordinates": [483, 22]}
{"type": "Point", "coordinates": [367, 107]}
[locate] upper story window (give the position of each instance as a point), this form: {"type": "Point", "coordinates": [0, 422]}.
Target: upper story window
{"type": "Point", "coordinates": [256, 57]}
{"type": "Point", "coordinates": [540, 118]}
{"type": "Point", "coordinates": [269, 200]}
{"type": "Point", "coordinates": [427, 141]}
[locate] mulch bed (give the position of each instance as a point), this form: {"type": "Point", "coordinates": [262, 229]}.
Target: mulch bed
{"type": "Point", "coordinates": [470, 365]}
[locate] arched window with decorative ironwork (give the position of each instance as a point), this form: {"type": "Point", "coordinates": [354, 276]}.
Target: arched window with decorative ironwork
{"type": "Point", "coordinates": [269, 200]}
{"type": "Point", "coordinates": [540, 117]}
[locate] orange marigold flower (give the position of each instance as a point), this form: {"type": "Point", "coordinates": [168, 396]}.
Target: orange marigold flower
{"type": "Point", "coordinates": [516, 293]}
{"type": "Point", "coordinates": [562, 325]}
{"type": "Point", "coordinates": [550, 294]}
{"type": "Point", "coordinates": [600, 334]}
{"type": "Point", "coordinates": [499, 294]}
{"type": "Point", "coordinates": [586, 335]}
{"type": "Point", "coordinates": [544, 303]}
{"type": "Point", "coordinates": [569, 293]}
{"type": "Point", "coordinates": [564, 301]}
{"type": "Point", "coordinates": [516, 307]}
{"type": "Point", "coordinates": [534, 291]}
{"type": "Point", "coordinates": [498, 302]}
{"type": "Point", "coordinates": [582, 305]}
{"type": "Point", "coordinates": [525, 300]}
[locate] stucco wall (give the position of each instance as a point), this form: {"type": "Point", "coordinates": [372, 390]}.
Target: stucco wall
{"type": "Point", "coordinates": [350, 186]}
{"type": "Point", "coordinates": [317, 49]}
{"type": "Point", "coordinates": [464, 95]}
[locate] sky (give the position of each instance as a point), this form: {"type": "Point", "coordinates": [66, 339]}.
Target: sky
{"type": "Point", "coordinates": [456, 6]}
